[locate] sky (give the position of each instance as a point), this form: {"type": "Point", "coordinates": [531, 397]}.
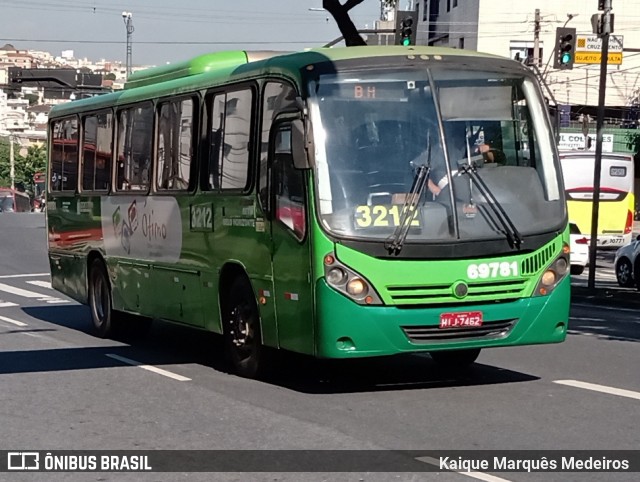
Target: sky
{"type": "Point", "coordinates": [169, 31]}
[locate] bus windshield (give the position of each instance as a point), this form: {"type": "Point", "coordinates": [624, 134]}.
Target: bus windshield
{"type": "Point", "coordinates": [483, 136]}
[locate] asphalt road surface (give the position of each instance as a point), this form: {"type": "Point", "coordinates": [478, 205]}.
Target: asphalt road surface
{"type": "Point", "coordinates": [63, 389]}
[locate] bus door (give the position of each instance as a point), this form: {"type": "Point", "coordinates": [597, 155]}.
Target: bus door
{"type": "Point", "coordinates": [291, 256]}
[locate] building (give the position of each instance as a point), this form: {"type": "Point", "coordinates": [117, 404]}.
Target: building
{"type": "Point", "coordinates": [487, 26]}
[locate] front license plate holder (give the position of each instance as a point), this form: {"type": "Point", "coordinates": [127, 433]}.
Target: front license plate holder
{"type": "Point", "coordinates": [461, 319]}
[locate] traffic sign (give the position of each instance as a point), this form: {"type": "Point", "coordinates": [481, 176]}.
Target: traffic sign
{"type": "Point", "coordinates": [613, 58]}
{"type": "Point", "coordinates": [589, 49]}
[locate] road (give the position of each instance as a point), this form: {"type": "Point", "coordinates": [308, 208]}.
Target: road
{"type": "Point", "coordinates": [62, 388]}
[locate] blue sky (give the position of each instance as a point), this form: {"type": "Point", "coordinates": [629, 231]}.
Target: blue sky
{"type": "Point", "coordinates": [95, 28]}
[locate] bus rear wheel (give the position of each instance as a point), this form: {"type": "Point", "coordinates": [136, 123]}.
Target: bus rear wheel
{"type": "Point", "coordinates": [100, 301]}
{"type": "Point", "coordinates": [242, 335]}
{"type": "Point", "coordinates": [455, 359]}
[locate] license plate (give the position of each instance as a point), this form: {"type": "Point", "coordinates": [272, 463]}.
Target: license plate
{"type": "Point", "coordinates": [461, 319]}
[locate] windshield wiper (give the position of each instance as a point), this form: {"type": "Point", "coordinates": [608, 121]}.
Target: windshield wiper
{"type": "Point", "coordinates": [394, 243]}
{"type": "Point", "coordinates": [510, 230]}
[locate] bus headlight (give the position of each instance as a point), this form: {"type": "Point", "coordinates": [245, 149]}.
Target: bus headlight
{"type": "Point", "coordinates": [548, 278]}
{"type": "Point", "coordinates": [336, 276]}
{"type": "Point", "coordinates": [552, 276]}
{"type": "Point", "coordinates": [357, 287]}
{"type": "Point", "coordinates": [561, 266]}
{"type": "Point", "coordinates": [348, 282]}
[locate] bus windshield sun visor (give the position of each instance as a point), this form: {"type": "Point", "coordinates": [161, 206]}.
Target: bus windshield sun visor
{"type": "Point", "coordinates": [510, 230]}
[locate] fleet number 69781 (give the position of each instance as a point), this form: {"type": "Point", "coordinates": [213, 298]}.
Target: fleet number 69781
{"type": "Point", "coordinates": [492, 270]}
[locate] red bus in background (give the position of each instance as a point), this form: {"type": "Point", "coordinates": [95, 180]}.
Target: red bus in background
{"type": "Point", "coordinates": [12, 201]}
{"type": "Point", "coordinates": [39, 179]}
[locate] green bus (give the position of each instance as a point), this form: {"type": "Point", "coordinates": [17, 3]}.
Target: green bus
{"type": "Point", "coordinates": [336, 202]}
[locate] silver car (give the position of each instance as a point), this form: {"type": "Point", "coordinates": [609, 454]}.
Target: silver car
{"type": "Point", "coordinates": [625, 263]}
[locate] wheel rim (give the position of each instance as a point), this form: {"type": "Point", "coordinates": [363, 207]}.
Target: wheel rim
{"type": "Point", "coordinates": [242, 332]}
{"type": "Point", "coordinates": [624, 272]}
{"type": "Point", "coordinates": [100, 300]}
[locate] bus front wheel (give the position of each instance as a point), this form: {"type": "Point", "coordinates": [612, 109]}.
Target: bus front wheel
{"type": "Point", "coordinates": [455, 359]}
{"type": "Point", "coordinates": [242, 333]}
{"type": "Point", "coordinates": [100, 301]}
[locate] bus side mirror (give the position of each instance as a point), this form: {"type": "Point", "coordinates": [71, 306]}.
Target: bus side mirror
{"type": "Point", "coordinates": [301, 145]}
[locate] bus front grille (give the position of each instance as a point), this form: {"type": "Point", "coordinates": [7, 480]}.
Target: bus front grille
{"type": "Point", "coordinates": [490, 330]}
{"type": "Point", "coordinates": [535, 262]}
{"type": "Point", "coordinates": [477, 291]}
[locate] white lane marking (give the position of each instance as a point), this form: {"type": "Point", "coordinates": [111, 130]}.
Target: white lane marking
{"type": "Point", "coordinates": [475, 475]}
{"type": "Point", "coordinates": [586, 318]}
{"type": "Point", "coordinates": [42, 284]}
{"type": "Point", "coordinates": [30, 294]}
{"type": "Point", "coordinates": [35, 275]}
{"type": "Point", "coordinates": [600, 388]}
{"type": "Point", "coordinates": [151, 368]}
{"type": "Point", "coordinates": [12, 321]}
{"type": "Point", "coordinates": [19, 291]}
{"type": "Point", "coordinates": [6, 304]}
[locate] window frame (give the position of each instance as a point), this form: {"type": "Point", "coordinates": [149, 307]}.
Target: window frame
{"type": "Point", "coordinates": [114, 184]}
{"type": "Point", "coordinates": [285, 118]}
{"type": "Point", "coordinates": [254, 122]}
{"type": "Point", "coordinates": [294, 110]}
{"type": "Point", "coordinates": [49, 183]}
{"type": "Point", "coordinates": [196, 140]}
{"type": "Point", "coordinates": [83, 117]}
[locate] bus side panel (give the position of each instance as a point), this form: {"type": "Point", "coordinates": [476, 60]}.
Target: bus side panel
{"type": "Point", "coordinates": [239, 240]}
{"type": "Point", "coordinates": [73, 230]}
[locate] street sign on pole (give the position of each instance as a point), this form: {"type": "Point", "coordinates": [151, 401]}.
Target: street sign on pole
{"type": "Point", "coordinates": [589, 49]}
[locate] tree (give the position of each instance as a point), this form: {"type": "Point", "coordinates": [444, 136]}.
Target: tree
{"type": "Point", "coordinates": [340, 13]}
{"type": "Point", "coordinates": [25, 167]}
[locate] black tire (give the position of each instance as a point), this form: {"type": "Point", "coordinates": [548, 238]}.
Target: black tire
{"type": "Point", "coordinates": [577, 270]}
{"type": "Point", "coordinates": [242, 334]}
{"type": "Point", "coordinates": [100, 300]}
{"type": "Point", "coordinates": [455, 359]}
{"type": "Point", "coordinates": [624, 273]}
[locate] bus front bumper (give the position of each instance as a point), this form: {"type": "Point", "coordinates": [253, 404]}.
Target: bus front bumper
{"type": "Point", "coordinates": [348, 330]}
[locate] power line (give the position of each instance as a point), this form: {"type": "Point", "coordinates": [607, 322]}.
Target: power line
{"type": "Point", "coordinates": [166, 42]}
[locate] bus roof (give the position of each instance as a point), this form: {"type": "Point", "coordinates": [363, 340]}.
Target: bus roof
{"type": "Point", "coordinates": [208, 69]}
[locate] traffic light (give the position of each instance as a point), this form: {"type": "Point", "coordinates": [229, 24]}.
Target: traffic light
{"type": "Point", "coordinates": [565, 48]}
{"type": "Point", "coordinates": [406, 26]}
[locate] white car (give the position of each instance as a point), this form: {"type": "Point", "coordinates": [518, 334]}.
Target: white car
{"type": "Point", "coordinates": [625, 263]}
{"type": "Point", "coordinates": [579, 255]}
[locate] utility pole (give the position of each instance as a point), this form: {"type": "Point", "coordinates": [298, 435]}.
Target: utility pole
{"type": "Point", "coordinates": [602, 27]}
{"type": "Point", "coordinates": [12, 163]}
{"type": "Point", "coordinates": [536, 39]}
{"type": "Point", "coordinates": [128, 21]}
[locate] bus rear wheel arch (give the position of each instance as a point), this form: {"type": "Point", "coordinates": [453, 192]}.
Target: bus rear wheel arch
{"type": "Point", "coordinates": [241, 329]}
{"type": "Point", "coordinates": [107, 322]}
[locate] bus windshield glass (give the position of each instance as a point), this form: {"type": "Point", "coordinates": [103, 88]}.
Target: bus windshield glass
{"type": "Point", "coordinates": [374, 129]}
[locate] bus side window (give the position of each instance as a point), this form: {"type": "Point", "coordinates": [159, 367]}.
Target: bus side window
{"type": "Point", "coordinates": [64, 155]}
{"type": "Point", "coordinates": [96, 152]}
{"type": "Point", "coordinates": [229, 140]}
{"type": "Point", "coordinates": [174, 149]}
{"type": "Point", "coordinates": [288, 185]}
{"type": "Point", "coordinates": [277, 97]}
{"type": "Point", "coordinates": [135, 137]}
